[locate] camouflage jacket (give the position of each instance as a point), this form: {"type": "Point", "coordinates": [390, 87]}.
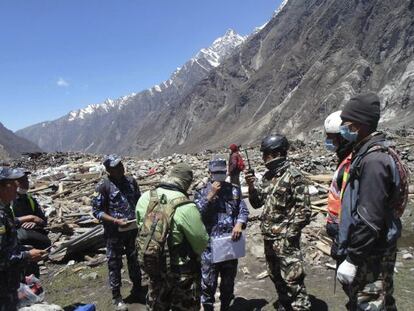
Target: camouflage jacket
{"type": "Point", "coordinates": [117, 199]}
{"type": "Point", "coordinates": [284, 195]}
{"type": "Point", "coordinates": [11, 253]}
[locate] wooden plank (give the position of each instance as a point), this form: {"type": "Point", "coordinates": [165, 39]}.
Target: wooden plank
{"type": "Point", "coordinates": [323, 248]}
{"type": "Point", "coordinates": [320, 209]}
{"type": "Point", "coordinates": [39, 188]}
{"type": "Point", "coordinates": [320, 202]}
{"type": "Point", "coordinates": [321, 178]}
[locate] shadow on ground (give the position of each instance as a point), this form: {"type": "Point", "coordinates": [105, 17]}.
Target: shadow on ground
{"type": "Point", "coordinates": [242, 304]}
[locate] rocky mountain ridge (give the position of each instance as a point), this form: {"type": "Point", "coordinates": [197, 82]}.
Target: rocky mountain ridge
{"type": "Point", "coordinates": [81, 130]}
{"type": "Point", "coordinates": [306, 62]}
{"type": "Point", "coordinates": [12, 145]}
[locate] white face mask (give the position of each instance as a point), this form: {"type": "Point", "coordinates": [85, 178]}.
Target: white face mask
{"type": "Point", "coordinates": [21, 190]}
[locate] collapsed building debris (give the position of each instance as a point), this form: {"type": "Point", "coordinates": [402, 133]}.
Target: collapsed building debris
{"type": "Point", "coordinates": [64, 184]}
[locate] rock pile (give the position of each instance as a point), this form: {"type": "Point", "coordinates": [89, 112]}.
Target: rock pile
{"type": "Point", "coordinates": [64, 184]}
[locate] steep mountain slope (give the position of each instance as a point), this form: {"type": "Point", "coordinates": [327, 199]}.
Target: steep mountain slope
{"type": "Point", "coordinates": [305, 63]}
{"type": "Point", "coordinates": [104, 127]}
{"type": "Point", "coordinates": [12, 145]}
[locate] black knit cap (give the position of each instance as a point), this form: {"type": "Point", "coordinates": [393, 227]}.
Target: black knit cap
{"type": "Point", "coordinates": [364, 109]}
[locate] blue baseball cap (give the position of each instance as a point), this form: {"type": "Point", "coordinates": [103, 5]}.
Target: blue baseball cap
{"type": "Point", "coordinates": [8, 173]}
{"type": "Point", "coordinates": [217, 166]}
{"type": "Point", "coordinates": [111, 160]}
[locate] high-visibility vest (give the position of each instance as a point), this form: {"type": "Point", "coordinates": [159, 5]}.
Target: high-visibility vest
{"type": "Point", "coordinates": [335, 193]}
{"type": "Point", "coordinates": [31, 203]}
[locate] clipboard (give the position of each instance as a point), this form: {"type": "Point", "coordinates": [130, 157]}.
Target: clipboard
{"type": "Point", "coordinates": [223, 248]}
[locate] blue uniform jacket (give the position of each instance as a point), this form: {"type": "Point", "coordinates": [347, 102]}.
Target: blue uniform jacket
{"type": "Point", "coordinates": [117, 199]}
{"type": "Point", "coordinates": [220, 215]}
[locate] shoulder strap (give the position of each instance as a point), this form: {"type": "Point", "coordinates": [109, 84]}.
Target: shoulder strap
{"type": "Point", "coordinates": [179, 201]}
{"type": "Point", "coordinates": [31, 202]}
{"type": "Point", "coordinates": [154, 201]}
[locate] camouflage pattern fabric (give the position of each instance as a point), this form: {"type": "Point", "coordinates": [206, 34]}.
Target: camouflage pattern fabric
{"type": "Point", "coordinates": [285, 200]}
{"type": "Point", "coordinates": [177, 291]}
{"type": "Point", "coordinates": [117, 201]}
{"type": "Point", "coordinates": [116, 246]}
{"type": "Point", "coordinates": [210, 272]}
{"type": "Point", "coordinates": [373, 286]}
{"type": "Point", "coordinates": [285, 267]}
{"type": "Point", "coordinates": [12, 260]}
{"type": "Point", "coordinates": [284, 195]}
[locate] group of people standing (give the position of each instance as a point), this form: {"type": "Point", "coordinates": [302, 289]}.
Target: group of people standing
{"type": "Point", "coordinates": [169, 236]}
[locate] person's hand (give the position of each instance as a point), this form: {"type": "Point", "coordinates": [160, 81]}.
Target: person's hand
{"type": "Point", "coordinates": [120, 222]}
{"type": "Point", "coordinates": [250, 179]}
{"type": "Point", "coordinates": [36, 255]}
{"type": "Point", "coordinates": [237, 231]}
{"type": "Point", "coordinates": [37, 220]}
{"type": "Point", "coordinates": [28, 225]}
{"type": "Point", "coordinates": [346, 272]}
{"type": "Point", "coordinates": [215, 188]}
{"type": "Point", "coordinates": [31, 218]}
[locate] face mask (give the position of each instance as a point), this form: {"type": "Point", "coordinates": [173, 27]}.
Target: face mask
{"type": "Point", "coordinates": [330, 146]}
{"type": "Point", "coordinates": [275, 163]}
{"type": "Point", "coordinates": [218, 177]}
{"type": "Point", "coordinates": [21, 190]}
{"type": "Point", "coordinates": [347, 134]}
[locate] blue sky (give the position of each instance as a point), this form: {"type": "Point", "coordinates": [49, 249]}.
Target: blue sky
{"type": "Point", "coordinates": [61, 55]}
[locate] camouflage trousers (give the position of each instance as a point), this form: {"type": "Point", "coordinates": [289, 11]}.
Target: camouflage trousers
{"type": "Point", "coordinates": [116, 246]}
{"type": "Point", "coordinates": [209, 276]}
{"type": "Point", "coordinates": [285, 267]}
{"type": "Point", "coordinates": [373, 286]}
{"type": "Point", "coordinates": [176, 291]}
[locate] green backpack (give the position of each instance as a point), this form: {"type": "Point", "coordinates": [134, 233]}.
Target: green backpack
{"type": "Point", "coordinates": [151, 242]}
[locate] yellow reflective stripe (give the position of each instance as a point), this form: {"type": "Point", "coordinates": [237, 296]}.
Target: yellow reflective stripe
{"type": "Point", "coordinates": [31, 202]}
{"type": "Point", "coordinates": [345, 179]}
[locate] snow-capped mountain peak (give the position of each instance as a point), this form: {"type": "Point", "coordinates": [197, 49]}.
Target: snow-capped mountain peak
{"type": "Point", "coordinates": [222, 47]}
{"type": "Point", "coordinates": [205, 60]}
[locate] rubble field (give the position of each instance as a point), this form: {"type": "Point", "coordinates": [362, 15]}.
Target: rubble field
{"type": "Point", "coordinates": [76, 270]}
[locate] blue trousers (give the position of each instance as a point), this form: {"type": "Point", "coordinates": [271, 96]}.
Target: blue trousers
{"type": "Point", "coordinates": [209, 279]}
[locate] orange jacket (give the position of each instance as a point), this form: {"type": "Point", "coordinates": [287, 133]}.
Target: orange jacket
{"type": "Point", "coordinates": [335, 193]}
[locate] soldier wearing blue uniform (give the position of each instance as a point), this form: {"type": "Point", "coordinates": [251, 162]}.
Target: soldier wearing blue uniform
{"type": "Point", "coordinates": [115, 206]}
{"type": "Point", "coordinates": [223, 212]}
{"type": "Point", "coordinates": [12, 256]}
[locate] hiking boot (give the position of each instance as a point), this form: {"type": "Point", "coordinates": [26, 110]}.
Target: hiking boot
{"type": "Point", "coordinates": [119, 304]}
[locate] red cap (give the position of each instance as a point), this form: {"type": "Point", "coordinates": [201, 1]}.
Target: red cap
{"type": "Point", "coordinates": [233, 147]}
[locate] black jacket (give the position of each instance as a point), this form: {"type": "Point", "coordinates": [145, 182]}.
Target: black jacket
{"type": "Point", "coordinates": [375, 174]}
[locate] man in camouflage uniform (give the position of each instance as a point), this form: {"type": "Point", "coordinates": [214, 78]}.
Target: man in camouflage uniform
{"type": "Point", "coordinates": [284, 195]}
{"type": "Point", "coordinates": [223, 212]}
{"type": "Point", "coordinates": [12, 256]}
{"type": "Point", "coordinates": [115, 205]}
{"type": "Point", "coordinates": [178, 287]}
